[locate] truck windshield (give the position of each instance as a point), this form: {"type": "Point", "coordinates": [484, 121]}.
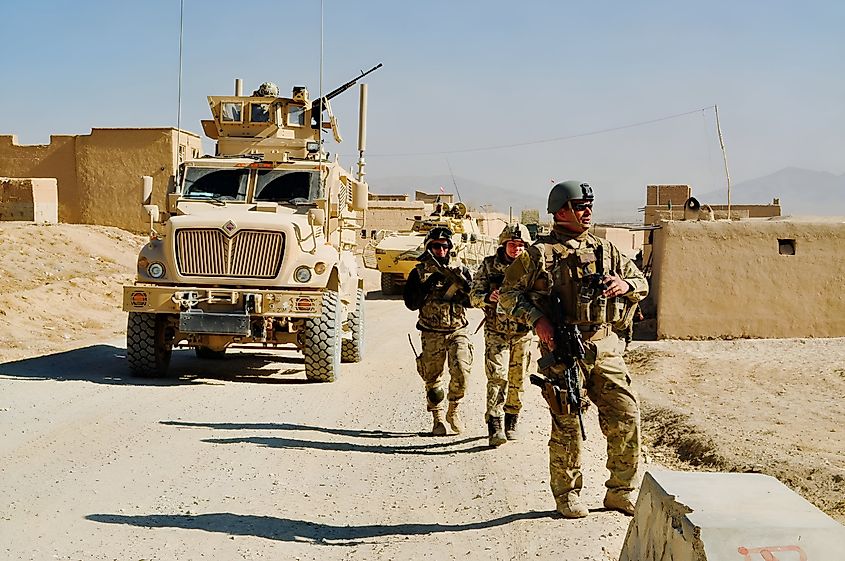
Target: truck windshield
{"type": "Point", "coordinates": [218, 184]}
{"type": "Point", "coordinates": [287, 186]}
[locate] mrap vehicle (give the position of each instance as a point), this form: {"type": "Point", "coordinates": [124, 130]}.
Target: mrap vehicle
{"type": "Point", "coordinates": [256, 245]}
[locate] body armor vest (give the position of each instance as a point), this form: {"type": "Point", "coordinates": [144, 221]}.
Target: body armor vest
{"type": "Point", "coordinates": [438, 313]}
{"type": "Point", "coordinates": [574, 270]}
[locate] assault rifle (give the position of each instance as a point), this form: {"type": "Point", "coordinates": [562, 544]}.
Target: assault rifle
{"type": "Point", "coordinates": [454, 278]}
{"type": "Point", "coordinates": [569, 349]}
{"type": "Point", "coordinates": [495, 283]}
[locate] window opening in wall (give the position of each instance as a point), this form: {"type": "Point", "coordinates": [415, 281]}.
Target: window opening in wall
{"type": "Point", "coordinates": [786, 247]}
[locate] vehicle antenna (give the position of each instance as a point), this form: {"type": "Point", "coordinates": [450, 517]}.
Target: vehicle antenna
{"type": "Point", "coordinates": [460, 198]}
{"type": "Point", "coordinates": [179, 94]}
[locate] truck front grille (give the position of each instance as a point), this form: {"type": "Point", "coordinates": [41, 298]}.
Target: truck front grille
{"type": "Point", "coordinates": [247, 254]}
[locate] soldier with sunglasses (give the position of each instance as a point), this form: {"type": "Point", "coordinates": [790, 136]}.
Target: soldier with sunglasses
{"type": "Point", "coordinates": [440, 291]}
{"type": "Point", "coordinates": [596, 288]}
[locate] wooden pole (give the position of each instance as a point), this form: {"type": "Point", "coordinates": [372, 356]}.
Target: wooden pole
{"type": "Point", "coordinates": [724, 158]}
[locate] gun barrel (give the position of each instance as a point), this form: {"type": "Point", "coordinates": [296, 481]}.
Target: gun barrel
{"type": "Point", "coordinates": [340, 89]}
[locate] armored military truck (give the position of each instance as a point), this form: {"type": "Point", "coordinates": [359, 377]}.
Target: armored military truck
{"type": "Point", "coordinates": [397, 252]}
{"type": "Point", "coordinates": [256, 245]}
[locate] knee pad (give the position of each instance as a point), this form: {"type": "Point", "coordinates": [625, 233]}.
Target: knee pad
{"type": "Point", "coordinates": [435, 394]}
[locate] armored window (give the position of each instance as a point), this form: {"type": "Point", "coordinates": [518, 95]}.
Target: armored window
{"type": "Point", "coordinates": [296, 115]}
{"type": "Point", "coordinates": [216, 184]}
{"type": "Point", "coordinates": [259, 112]}
{"type": "Point", "coordinates": [231, 112]}
{"type": "Point", "coordinates": [287, 186]}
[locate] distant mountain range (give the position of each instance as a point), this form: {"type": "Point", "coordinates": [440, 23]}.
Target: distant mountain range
{"type": "Point", "coordinates": [801, 192]}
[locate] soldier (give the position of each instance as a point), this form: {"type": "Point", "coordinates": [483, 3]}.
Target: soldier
{"type": "Point", "coordinates": [506, 354]}
{"type": "Point", "coordinates": [598, 287]}
{"type": "Point", "coordinates": [441, 293]}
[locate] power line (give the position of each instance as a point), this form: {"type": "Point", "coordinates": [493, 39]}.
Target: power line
{"type": "Point", "coordinates": [546, 140]}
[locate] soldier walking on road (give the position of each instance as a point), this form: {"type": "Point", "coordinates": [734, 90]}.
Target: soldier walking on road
{"type": "Point", "coordinates": [506, 341]}
{"type": "Point", "coordinates": [441, 294]}
{"type": "Point", "coordinates": [597, 288]}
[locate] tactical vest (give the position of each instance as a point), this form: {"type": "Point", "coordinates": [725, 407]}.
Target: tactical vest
{"type": "Point", "coordinates": [574, 270]}
{"type": "Point", "coordinates": [495, 321]}
{"type": "Point", "coordinates": [437, 313]}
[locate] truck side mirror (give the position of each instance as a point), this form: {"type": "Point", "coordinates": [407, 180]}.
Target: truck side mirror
{"type": "Point", "coordinates": [146, 189]}
{"type": "Point", "coordinates": [147, 196]}
{"type": "Point", "coordinates": [360, 195]}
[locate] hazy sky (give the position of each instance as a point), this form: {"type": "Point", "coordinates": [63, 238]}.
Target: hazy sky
{"type": "Point", "coordinates": [463, 75]}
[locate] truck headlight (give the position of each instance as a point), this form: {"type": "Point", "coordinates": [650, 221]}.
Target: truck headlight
{"type": "Point", "coordinates": [156, 270]}
{"type": "Point", "coordinates": [302, 274]}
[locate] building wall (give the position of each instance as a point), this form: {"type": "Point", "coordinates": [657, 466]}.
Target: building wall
{"type": "Point", "coordinates": [99, 175]}
{"type": "Point", "coordinates": [629, 242]}
{"type": "Point", "coordinates": [663, 195]}
{"type": "Point", "coordinates": [56, 160]}
{"type": "Point", "coordinates": [392, 215]}
{"type": "Point", "coordinates": [735, 279]}
{"type": "Point", "coordinates": [30, 200]}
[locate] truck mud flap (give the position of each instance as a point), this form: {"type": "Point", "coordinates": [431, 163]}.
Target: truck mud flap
{"type": "Point", "coordinates": [217, 324]}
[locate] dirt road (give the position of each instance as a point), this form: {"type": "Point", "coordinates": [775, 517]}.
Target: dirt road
{"type": "Point", "coordinates": [239, 459]}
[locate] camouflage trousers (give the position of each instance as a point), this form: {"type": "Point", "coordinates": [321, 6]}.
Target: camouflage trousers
{"type": "Point", "coordinates": [506, 359]}
{"type": "Point", "coordinates": [608, 386]}
{"type": "Point", "coordinates": [437, 348]}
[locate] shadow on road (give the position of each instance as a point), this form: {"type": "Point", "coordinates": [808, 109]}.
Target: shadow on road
{"type": "Point", "coordinates": [283, 529]}
{"type": "Point", "coordinates": [106, 364]}
{"type": "Point", "coordinates": [437, 448]}
{"type": "Point", "coordinates": [288, 426]}
{"type": "Point", "coordinates": [378, 295]}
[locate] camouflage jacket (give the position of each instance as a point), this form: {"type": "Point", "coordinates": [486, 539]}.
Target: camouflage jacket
{"type": "Point", "coordinates": [442, 305]}
{"type": "Point", "coordinates": [489, 277]}
{"type": "Point", "coordinates": [568, 266]}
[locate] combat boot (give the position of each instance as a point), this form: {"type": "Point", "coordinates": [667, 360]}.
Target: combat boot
{"type": "Point", "coordinates": [494, 431]}
{"type": "Point", "coordinates": [439, 428]}
{"type": "Point", "coordinates": [510, 426]}
{"type": "Point", "coordinates": [621, 501]}
{"type": "Point", "coordinates": [454, 417]}
{"type": "Point", "coordinates": [572, 507]}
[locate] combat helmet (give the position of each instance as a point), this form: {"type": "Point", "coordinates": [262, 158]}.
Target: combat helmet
{"type": "Point", "coordinates": [515, 231]}
{"type": "Point", "coordinates": [566, 191]}
{"type": "Point", "coordinates": [439, 233]}
{"type": "Point", "coordinates": [267, 89]}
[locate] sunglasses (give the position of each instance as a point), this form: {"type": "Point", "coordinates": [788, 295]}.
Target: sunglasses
{"type": "Point", "coordinates": [582, 206]}
{"type": "Point", "coordinates": [434, 246]}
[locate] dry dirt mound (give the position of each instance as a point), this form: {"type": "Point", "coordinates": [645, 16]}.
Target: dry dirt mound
{"type": "Point", "coordinates": [61, 285]}
{"type": "Point", "coordinates": [770, 406]}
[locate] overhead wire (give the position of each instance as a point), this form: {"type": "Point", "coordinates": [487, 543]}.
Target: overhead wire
{"type": "Point", "coordinates": [545, 140]}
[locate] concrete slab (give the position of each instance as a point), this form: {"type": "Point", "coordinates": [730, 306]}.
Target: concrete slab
{"type": "Point", "coordinates": [693, 516]}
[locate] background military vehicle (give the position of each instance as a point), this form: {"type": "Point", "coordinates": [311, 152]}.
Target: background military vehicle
{"type": "Point", "coordinates": [397, 252]}
{"type": "Point", "coordinates": [256, 245]}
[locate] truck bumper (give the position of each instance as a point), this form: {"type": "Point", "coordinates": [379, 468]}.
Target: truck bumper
{"type": "Point", "coordinates": [268, 303]}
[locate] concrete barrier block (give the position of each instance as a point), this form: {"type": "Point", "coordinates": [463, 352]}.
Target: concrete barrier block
{"type": "Point", "coordinates": [692, 516]}
{"type": "Point", "coordinates": [29, 200]}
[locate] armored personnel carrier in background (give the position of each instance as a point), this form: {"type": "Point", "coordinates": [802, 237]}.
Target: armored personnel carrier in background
{"type": "Point", "coordinates": [398, 252]}
{"type": "Point", "coordinates": [256, 245]}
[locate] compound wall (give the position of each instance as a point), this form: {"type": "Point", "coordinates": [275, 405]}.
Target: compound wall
{"type": "Point", "coordinates": [98, 175]}
{"type": "Point", "coordinates": [767, 278]}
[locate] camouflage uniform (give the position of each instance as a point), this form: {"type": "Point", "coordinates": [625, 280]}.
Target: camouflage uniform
{"type": "Point", "coordinates": [442, 323]}
{"type": "Point", "coordinates": [506, 341]}
{"type": "Point", "coordinates": [558, 263]}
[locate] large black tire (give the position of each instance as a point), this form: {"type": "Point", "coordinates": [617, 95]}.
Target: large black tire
{"type": "Point", "coordinates": [147, 347]}
{"type": "Point", "coordinates": [321, 341]}
{"type": "Point", "coordinates": [389, 286]}
{"type": "Point", "coordinates": [352, 350]}
{"type": "Point", "coordinates": [205, 352]}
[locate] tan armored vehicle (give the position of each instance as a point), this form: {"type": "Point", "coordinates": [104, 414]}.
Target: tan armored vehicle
{"type": "Point", "coordinates": [256, 245]}
{"type": "Point", "coordinates": [396, 254]}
